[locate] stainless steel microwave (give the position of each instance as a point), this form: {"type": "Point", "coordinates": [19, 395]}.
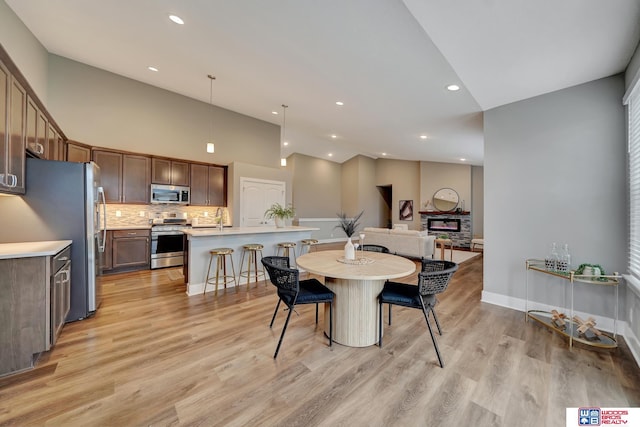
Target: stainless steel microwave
{"type": "Point", "coordinates": [169, 194]}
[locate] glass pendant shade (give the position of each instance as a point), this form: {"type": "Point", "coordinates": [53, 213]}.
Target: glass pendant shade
{"type": "Point", "coordinates": [210, 146]}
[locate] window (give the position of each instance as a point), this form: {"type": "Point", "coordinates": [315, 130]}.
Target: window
{"type": "Point", "coordinates": [632, 99]}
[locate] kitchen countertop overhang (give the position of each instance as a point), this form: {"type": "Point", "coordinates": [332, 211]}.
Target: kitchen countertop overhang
{"type": "Point", "coordinates": [207, 232]}
{"type": "Point", "coordinates": [32, 249]}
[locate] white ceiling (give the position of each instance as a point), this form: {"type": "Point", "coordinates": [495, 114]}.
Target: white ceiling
{"type": "Point", "coordinates": [389, 61]}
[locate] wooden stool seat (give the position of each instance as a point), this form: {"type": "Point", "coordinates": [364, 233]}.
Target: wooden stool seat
{"type": "Point", "coordinates": [253, 249]}
{"type": "Point", "coordinates": [285, 248]}
{"type": "Point", "coordinates": [221, 255]}
{"type": "Point", "coordinates": [306, 245]}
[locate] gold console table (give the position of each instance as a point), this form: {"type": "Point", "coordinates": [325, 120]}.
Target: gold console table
{"type": "Point", "coordinates": [572, 324]}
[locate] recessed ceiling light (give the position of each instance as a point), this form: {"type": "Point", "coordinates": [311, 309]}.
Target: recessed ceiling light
{"type": "Point", "coordinates": [384, 154]}
{"type": "Point", "coordinates": [285, 143]}
{"type": "Point", "coordinates": [152, 69]}
{"type": "Point", "coordinates": [423, 136]}
{"type": "Point", "coordinates": [453, 88]}
{"type": "Point", "coordinates": [176, 19]}
{"type": "Point", "coordinates": [463, 160]}
{"type": "Point", "coordinates": [334, 136]}
{"type": "Point", "coordinates": [274, 112]}
{"type": "Point", "coordinates": [330, 154]}
{"type": "Point", "coordinates": [339, 103]}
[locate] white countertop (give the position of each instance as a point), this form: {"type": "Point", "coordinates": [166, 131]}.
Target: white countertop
{"type": "Point", "coordinates": [207, 232]}
{"type": "Point", "coordinates": [128, 227]}
{"type": "Point", "coordinates": [32, 249]}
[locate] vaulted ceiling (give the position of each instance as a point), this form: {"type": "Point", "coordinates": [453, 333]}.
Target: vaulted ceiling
{"type": "Point", "coordinates": [388, 61]}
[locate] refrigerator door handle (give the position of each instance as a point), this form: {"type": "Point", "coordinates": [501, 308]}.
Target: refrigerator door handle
{"type": "Point", "coordinates": [102, 244]}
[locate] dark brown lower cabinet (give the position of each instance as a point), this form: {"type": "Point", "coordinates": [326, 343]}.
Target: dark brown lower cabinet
{"type": "Point", "coordinates": [130, 250]}
{"type": "Point", "coordinates": [23, 311]}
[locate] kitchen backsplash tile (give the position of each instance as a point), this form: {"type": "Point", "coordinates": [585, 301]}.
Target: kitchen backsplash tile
{"type": "Point", "coordinates": [132, 215]}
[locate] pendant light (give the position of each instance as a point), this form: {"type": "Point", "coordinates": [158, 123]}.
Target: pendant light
{"type": "Point", "coordinates": [283, 130]}
{"type": "Point", "coordinates": [210, 145]}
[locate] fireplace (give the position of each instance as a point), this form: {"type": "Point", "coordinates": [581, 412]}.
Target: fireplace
{"type": "Point", "coordinates": [445, 224]}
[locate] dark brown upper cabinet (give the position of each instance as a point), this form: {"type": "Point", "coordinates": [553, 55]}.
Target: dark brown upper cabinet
{"type": "Point", "coordinates": [13, 97]}
{"type": "Point", "coordinates": [78, 152]}
{"type": "Point", "coordinates": [124, 177]}
{"type": "Point", "coordinates": [169, 172]}
{"type": "Point", "coordinates": [208, 185]}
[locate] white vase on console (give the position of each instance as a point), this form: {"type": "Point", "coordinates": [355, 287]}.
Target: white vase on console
{"type": "Point", "coordinates": [349, 250]}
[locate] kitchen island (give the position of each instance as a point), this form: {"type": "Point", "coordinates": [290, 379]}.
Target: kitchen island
{"type": "Point", "coordinates": [201, 240]}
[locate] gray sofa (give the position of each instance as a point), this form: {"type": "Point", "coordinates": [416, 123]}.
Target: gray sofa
{"type": "Point", "coordinates": [400, 241]}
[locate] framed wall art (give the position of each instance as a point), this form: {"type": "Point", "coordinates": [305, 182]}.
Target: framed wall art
{"type": "Point", "coordinates": [406, 210]}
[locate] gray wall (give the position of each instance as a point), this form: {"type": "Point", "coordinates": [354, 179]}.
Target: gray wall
{"type": "Point", "coordinates": [317, 186]}
{"type": "Point", "coordinates": [100, 108]}
{"type": "Point", "coordinates": [477, 201]}
{"type": "Point", "coordinates": [25, 50]}
{"type": "Point", "coordinates": [632, 71]}
{"type": "Point", "coordinates": [239, 170]}
{"type": "Point", "coordinates": [359, 192]}
{"type": "Point", "coordinates": [555, 172]}
{"type": "Point", "coordinates": [404, 178]}
{"type": "Point", "coordinates": [435, 176]}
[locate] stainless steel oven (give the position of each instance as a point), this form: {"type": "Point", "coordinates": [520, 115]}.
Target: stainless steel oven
{"type": "Point", "coordinates": [167, 245]}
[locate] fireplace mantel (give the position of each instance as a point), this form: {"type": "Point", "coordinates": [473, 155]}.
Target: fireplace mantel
{"type": "Point", "coordinates": [444, 213]}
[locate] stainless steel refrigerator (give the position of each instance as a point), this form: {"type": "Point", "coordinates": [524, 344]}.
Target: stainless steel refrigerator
{"type": "Point", "coordinates": [68, 199]}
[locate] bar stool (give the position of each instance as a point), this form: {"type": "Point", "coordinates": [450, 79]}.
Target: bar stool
{"type": "Point", "coordinates": [221, 266]}
{"type": "Point", "coordinates": [253, 249]}
{"type": "Point", "coordinates": [306, 245]}
{"type": "Point", "coordinates": [285, 248]}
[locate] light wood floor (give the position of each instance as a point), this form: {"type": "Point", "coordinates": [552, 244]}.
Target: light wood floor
{"type": "Point", "coordinates": [153, 356]}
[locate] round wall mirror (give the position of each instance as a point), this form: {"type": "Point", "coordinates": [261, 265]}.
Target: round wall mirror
{"type": "Point", "coordinates": [445, 199]}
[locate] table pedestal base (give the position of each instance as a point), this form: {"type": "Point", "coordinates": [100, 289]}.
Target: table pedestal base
{"type": "Point", "coordinates": [355, 311]}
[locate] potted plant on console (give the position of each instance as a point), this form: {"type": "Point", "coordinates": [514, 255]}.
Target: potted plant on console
{"type": "Point", "coordinates": [349, 226]}
{"type": "Point", "coordinates": [280, 213]}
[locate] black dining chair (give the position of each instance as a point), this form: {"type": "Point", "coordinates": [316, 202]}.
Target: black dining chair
{"type": "Point", "coordinates": [375, 248]}
{"type": "Point", "coordinates": [432, 280]}
{"type": "Point", "coordinates": [293, 291]}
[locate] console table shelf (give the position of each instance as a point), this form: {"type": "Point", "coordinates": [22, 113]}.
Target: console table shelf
{"type": "Point", "coordinates": [570, 329]}
{"type": "Point", "coordinates": [545, 318]}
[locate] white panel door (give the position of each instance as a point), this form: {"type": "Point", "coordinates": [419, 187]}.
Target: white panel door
{"type": "Point", "coordinates": [256, 197]}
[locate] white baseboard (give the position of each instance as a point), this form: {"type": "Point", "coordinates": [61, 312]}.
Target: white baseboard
{"type": "Point", "coordinates": [604, 323]}
{"type": "Point", "coordinates": [632, 342]}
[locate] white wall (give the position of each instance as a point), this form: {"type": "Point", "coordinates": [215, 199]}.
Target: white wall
{"type": "Point", "coordinates": [555, 172]}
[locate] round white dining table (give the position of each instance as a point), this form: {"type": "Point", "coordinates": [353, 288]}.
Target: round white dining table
{"type": "Point", "coordinates": [356, 288]}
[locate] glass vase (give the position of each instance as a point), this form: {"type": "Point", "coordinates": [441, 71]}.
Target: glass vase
{"type": "Point", "coordinates": [553, 259]}
{"type": "Point", "coordinates": [564, 261]}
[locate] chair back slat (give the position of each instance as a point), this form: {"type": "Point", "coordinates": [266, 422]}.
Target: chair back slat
{"type": "Point", "coordinates": [435, 276]}
{"type": "Point", "coordinates": [375, 248]}
{"type": "Point", "coordinates": [285, 279]}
